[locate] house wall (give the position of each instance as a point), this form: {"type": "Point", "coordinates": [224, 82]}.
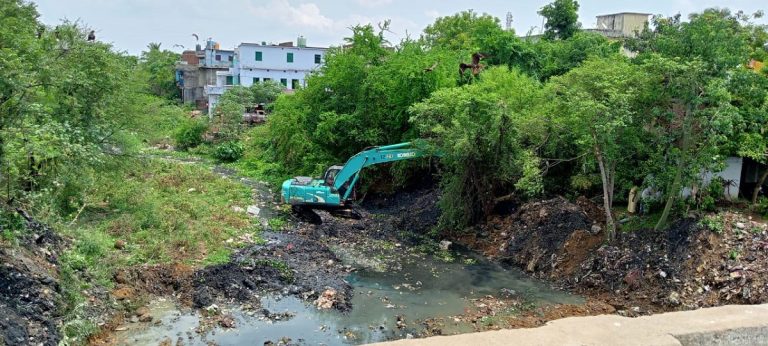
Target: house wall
{"type": "Point", "coordinates": [625, 23]}
{"type": "Point", "coordinates": [275, 57]}
{"type": "Point", "coordinates": [731, 173]}
{"type": "Point", "coordinates": [210, 58]}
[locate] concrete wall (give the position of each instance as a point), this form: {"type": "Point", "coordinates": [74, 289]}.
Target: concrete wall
{"type": "Point", "coordinates": [731, 172]}
{"type": "Point", "coordinates": [210, 58]}
{"type": "Point", "coordinates": [275, 57]}
{"type": "Point", "coordinates": [625, 23]}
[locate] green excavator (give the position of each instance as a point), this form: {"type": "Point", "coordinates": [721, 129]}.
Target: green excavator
{"type": "Point", "coordinates": [334, 190]}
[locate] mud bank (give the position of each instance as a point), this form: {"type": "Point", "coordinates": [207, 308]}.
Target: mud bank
{"type": "Point", "coordinates": [686, 266]}
{"type": "Point", "coordinates": [29, 291]}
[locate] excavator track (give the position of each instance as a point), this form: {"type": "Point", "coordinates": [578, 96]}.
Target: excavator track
{"type": "Point", "coordinates": [306, 214]}
{"type": "Point", "coordinates": [348, 213]}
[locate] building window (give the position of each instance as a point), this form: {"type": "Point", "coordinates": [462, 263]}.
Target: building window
{"type": "Point", "coordinates": [317, 58]}
{"type": "Point", "coordinates": [230, 58]}
{"type": "Point", "coordinates": [267, 79]}
{"type": "Point", "coordinates": [255, 80]}
{"type": "Point", "coordinates": [230, 80]}
{"type": "Point", "coordinates": [257, 56]}
{"type": "Point", "coordinates": [290, 57]}
{"type": "Point", "coordinates": [218, 57]}
{"type": "Point", "coordinates": [284, 82]}
{"type": "Point", "coordinates": [294, 84]}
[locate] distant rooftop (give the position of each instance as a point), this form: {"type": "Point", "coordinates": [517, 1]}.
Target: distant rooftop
{"type": "Point", "coordinates": [613, 14]}
{"type": "Point", "coordinates": [278, 45]}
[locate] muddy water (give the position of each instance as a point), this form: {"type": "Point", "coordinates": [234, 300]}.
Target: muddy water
{"type": "Point", "coordinates": [418, 291]}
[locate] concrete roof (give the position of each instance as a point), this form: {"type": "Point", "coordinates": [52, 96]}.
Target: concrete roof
{"type": "Point", "coordinates": [613, 14]}
{"type": "Point", "coordinates": [278, 46]}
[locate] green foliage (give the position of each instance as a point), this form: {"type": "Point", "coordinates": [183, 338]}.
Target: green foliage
{"type": "Point", "coordinates": [596, 103]}
{"type": "Point", "coordinates": [562, 19]}
{"type": "Point", "coordinates": [160, 69]}
{"type": "Point", "coordinates": [714, 223]}
{"type": "Point", "coordinates": [228, 151]}
{"type": "Point", "coordinates": [359, 98]}
{"type": "Point", "coordinates": [761, 207]}
{"type": "Point", "coordinates": [462, 31]}
{"type": "Point", "coordinates": [716, 37]}
{"type": "Point", "coordinates": [476, 127]}
{"type": "Point", "coordinates": [190, 135]}
{"type": "Point", "coordinates": [228, 123]}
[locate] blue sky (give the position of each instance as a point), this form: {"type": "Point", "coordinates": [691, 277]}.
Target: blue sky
{"type": "Point", "coordinates": [131, 24]}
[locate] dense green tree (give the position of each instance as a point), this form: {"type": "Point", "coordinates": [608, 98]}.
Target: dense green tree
{"type": "Point", "coordinates": [750, 95]}
{"type": "Point", "coordinates": [562, 19]}
{"type": "Point", "coordinates": [477, 127]}
{"type": "Point", "coordinates": [233, 103]}
{"type": "Point", "coordinates": [691, 121]}
{"type": "Point", "coordinates": [159, 66]}
{"type": "Point", "coordinates": [716, 37]}
{"type": "Point", "coordinates": [462, 31]}
{"type": "Point", "coordinates": [597, 103]}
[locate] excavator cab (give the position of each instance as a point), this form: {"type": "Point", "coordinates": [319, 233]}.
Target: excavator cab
{"type": "Point", "coordinates": [330, 175]}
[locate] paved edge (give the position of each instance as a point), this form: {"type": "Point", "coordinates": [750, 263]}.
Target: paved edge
{"type": "Point", "coordinates": [724, 325]}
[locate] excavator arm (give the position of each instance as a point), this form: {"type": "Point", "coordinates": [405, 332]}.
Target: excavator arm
{"type": "Point", "coordinates": [347, 176]}
{"type": "Point", "coordinates": [335, 188]}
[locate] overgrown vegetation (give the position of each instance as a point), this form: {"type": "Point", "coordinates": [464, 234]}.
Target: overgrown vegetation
{"type": "Point", "coordinates": [563, 114]}
{"type": "Point", "coordinates": [567, 114]}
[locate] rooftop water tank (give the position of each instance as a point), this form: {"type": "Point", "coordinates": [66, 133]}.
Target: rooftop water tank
{"type": "Point", "coordinates": [301, 42]}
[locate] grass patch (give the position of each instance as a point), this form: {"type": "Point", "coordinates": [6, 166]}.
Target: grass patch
{"type": "Point", "coordinates": [641, 222]}
{"type": "Point", "coordinates": [156, 211]}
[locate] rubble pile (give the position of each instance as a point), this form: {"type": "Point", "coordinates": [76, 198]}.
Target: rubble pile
{"type": "Point", "coordinates": [685, 266]}
{"type": "Point", "coordinates": [287, 264]}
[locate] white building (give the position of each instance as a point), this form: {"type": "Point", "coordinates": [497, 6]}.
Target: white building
{"type": "Point", "coordinates": [254, 63]}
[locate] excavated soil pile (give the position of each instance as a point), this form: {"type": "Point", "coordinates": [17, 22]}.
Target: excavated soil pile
{"type": "Point", "coordinates": [287, 264]}
{"type": "Point", "coordinates": [549, 239]}
{"type": "Point", "coordinates": [29, 289]}
{"type": "Point", "coordinates": [160, 279]}
{"type": "Point", "coordinates": [404, 217]}
{"type": "Point", "coordinates": [685, 266]}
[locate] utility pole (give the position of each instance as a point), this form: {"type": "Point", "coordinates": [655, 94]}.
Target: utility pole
{"type": "Point", "coordinates": [509, 20]}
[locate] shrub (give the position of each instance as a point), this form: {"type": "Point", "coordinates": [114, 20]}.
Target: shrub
{"type": "Point", "coordinates": [761, 207]}
{"type": "Point", "coordinates": [190, 135]}
{"type": "Point", "coordinates": [714, 223]}
{"type": "Point", "coordinates": [228, 151]}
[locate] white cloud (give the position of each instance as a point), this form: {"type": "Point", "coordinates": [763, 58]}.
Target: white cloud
{"type": "Point", "coordinates": [306, 15]}
{"type": "Point", "coordinates": [373, 3]}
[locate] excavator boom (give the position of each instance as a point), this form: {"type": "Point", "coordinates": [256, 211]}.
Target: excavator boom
{"type": "Point", "coordinates": [333, 191]}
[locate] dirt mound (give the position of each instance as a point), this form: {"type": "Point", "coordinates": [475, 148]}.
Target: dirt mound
{"type": "Point", "coordinates": [548, 238]}
{"type": "Point", "coordinates": [287, 264]}
{"type": "Point", "coordinates": [685, 266]}
{"type": "Point", "coordinates": [29, 289]}
{"type": "Point", "coordinates": [404, 217]}
{"type": "Point", "coordinates": [161, 280]}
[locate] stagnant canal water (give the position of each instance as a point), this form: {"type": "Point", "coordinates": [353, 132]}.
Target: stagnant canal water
{"type": "Point", "coordinates": [427, 289]}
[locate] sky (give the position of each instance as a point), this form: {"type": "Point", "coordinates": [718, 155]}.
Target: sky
{"type": "Point", "coordinates": [131, 24]}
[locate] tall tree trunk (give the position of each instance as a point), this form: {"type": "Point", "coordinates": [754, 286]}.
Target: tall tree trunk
{"type": "Point", "coordinates": [610, 225]}
{"type": "Point", "coordinates": [760, 183]}
{"type": "Point", "coordinates": [674, 189]}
